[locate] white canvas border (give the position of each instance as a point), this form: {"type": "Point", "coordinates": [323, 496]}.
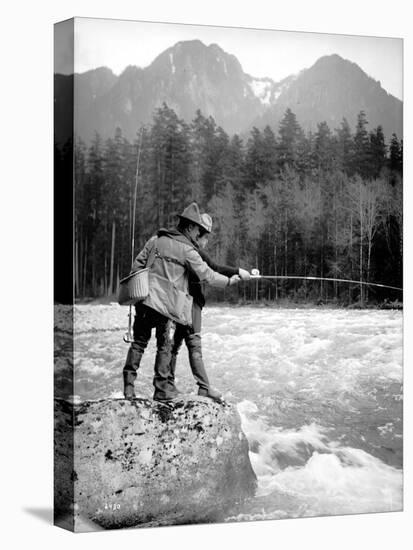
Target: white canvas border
{"type": "Point", "coordinates": [26, 220]}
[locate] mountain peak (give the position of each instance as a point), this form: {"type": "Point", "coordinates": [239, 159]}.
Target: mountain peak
{"type": "Point", "coordinates": [102, 71]}
{"type": "Point", "coordinates": [192, 75]}
{"type": "Point", "coordinates": [192, 58]}
{"type": "Point", "coordinates": [334, 61]}
{"type": "Point", "coordinates": [334, 88]}
{"type": "Point", "coordinates": [334, 64]}
{"type": "Point", "coordinates": [186, 46]}
{"type": "Point", "coordinates": [334, 57]}
{"type": "Point", "coordinates": [196, 47]}
{"type": "Point", "coordinates": [131, 71]}
{"type": "Point", "coordinates": [215, 48]}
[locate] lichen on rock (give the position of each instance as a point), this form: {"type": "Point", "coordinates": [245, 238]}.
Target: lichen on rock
{"type": "Point", "coordinates": [139, 464]}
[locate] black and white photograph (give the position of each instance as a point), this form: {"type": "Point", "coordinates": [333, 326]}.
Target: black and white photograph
{"type": "Point", "coordinates": [206, 264]}
{"type": "Point", "coordinates": [230, 346]}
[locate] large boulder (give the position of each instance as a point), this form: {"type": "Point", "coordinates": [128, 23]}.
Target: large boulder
{"type": "Point", "coordinates": [137, 463]}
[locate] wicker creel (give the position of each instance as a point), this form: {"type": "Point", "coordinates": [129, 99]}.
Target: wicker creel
{"type": "Point", "coordinates": [134, 288]}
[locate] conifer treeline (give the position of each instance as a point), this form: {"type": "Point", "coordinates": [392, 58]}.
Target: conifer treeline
{"type": "Point", "coordinates": [323, 204]}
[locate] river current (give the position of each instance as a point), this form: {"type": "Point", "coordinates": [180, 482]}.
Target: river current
{"type": "Point", "coordinates": [319, 392]}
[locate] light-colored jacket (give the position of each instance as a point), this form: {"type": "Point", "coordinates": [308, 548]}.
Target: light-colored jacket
{"type": "Point", "coordinates": [168, 276]}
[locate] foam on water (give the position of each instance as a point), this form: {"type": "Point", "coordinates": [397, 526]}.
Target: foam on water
{"type": "Point", "coordinates": [316, 475]}
{"type": "Point", "coordinates": [320, 394]}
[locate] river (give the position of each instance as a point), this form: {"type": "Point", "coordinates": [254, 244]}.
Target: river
{"type": "Point", "coordinates": [319, 392]}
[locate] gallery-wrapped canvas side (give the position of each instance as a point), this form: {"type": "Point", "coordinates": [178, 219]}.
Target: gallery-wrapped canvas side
{"type": "Point", "coordinates": [297, 180]}
{"type": "Point", "coordinates": [63, 273]}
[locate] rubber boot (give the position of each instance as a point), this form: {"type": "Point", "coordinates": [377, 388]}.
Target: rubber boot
{"type": "Point", "coordinates": [132, 363]}
{"type": "Point", "coordinates": [215, 395]}
{"type": "Point", "coordinates": [198, 368]}
{"type": "Point", "coordinates": [171, 377]}
{"type": "Point", "coordinates": [163, 391]}
{"type": "Point", "coordinates": [129, 392]}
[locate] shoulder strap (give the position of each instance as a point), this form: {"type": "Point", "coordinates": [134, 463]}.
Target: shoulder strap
{"type": "Point", "coordinates": [152, 254]}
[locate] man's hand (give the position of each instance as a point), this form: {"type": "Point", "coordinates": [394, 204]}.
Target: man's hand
{"type": "Point", "coordinates": [244, 274]}
{"type": "Point", "coordinates": [234, 280]}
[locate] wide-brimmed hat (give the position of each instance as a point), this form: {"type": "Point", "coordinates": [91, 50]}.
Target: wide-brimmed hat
{"type": "Point", "coordinates": [192, 214]}
{"type": "Point", "coordinates": [206, 222]}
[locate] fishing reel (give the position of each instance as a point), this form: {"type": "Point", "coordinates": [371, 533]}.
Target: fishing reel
{"type": "Point", "coordinates": [255, 273]}
{"type": "Point", "coordinates": [128, 336]}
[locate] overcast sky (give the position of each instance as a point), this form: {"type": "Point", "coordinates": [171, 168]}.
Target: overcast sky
{"type": "Point", "coordinates": [277, 54]}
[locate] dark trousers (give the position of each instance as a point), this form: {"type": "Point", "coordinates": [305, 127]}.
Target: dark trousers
{"type": "Point", "coordinates": [192, 338]}
{"type": "Point", "coordinates": [146, 319]}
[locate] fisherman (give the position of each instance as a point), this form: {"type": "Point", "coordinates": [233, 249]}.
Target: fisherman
{"type": "Point", "coordinates": [168, 301]}
{"type": "Point", "coordinates": [192, 333]}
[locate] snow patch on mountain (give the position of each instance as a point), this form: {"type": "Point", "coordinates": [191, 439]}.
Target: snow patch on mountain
{"type": "Point", "coordinates": [225, 67]}
{"type": "Point", "coordinates": [262, 90]}
{"type": "Point", "coordinates": [283, 86]}
{"type": "Point", "coordinates": [171, 59]}
{"type": "Point", "coordinates": [128, 106]}
{"type": "Point", "coordinates": [279, 91]}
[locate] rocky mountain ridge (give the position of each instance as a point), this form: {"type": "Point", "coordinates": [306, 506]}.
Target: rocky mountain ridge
{"type": "Point", "coordinates": [190, 76]}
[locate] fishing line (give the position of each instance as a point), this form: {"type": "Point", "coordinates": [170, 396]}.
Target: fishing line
{"type": "Point", "coordinates": [255, 274]}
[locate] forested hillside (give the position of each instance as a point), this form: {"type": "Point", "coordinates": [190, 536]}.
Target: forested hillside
{"type": "Point", "coordinates": [323, 204]}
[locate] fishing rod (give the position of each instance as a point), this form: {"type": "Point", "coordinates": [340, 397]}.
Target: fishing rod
{"type": "Point", "coordinates": [255, 274]}
{"type": "Point", "coordinates": [128, 336]}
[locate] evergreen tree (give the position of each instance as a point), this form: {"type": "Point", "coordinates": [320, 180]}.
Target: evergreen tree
{"type": "Point", "coordinates": [254, 170]}
{"type": "Point", "coordinates": [396, 154]}
{"type": "Point", "coordinates": [234, 169]}
{"type": "Point", "coordinates": [291, 206]}
{"type": "Point", "coordinates": [378, 152]}
{"type": "Point", "coordinates": [323, 147]}
{"type": "Point", "coordinates": [94, 243]}
{"type": "Point", "coordinates": [260, 158]}
{"type": "Point", "coordinates": [116, 193]}
{"type": "Point", "coordinates": [205, 170]}
{"type": "Point", "coordinates": [222, 160]}
{"type": "Point", "coordinates": [169, 165]}
{"type": "Point", "coordinates": [362, 149]}
{"type": "Point", "coordinates": [291, 135]}
{"type": "Point", "coordinates": [223, 237]}
{"type": "Point", "coordinates": [82, 207]}
{"type": "Point", "coordinates": [269, 145]}
{"type": "Point", "coordinates": [344, 148]}
{"type": "Point", "coordinates": [305, 158]}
